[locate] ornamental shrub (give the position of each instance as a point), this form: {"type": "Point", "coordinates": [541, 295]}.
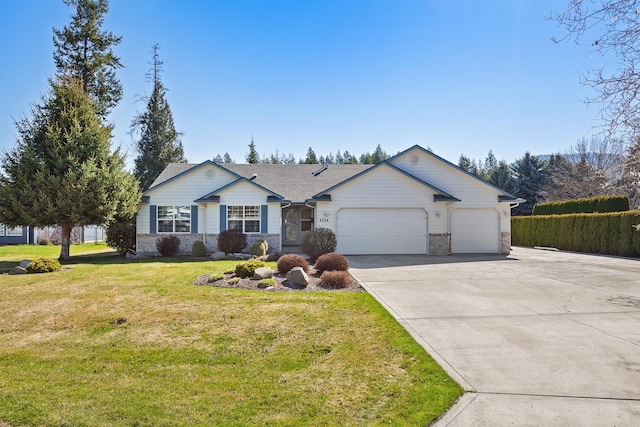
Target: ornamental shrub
{"type": "Point", "coordinates": [215, 277]}
{"type": "Point", "coordinates": [339, 279]}
{"type": "Point", "coordinates": [331, 262]}
{"type": "Point", "coordinates": [259, 248]}
{"type": "Point", "coordinates": [168, 245]}
{"type": "Point", "coordinates": [44, 265]}
{"type": "Point", "coordinates": [247, 268]}
{"type": "Point", "coordinates": [600, 204]}
{"type": "Point", "coordinates": [198, 249]}
{"type": "Point", "coordinates": [121, 235]}
{"type": "Point", "coordinates": [231, 241]}
{"type": "Point", "coordinates": [269, 281]}
{"type": "Point", "coordinates": [289, 261]}
{"type": "Point", "coordinates": [610, 233]}
{"type": "Point", "coordinates": [45, 241]}
{"type": "Point", "coordinates": [319, 241]}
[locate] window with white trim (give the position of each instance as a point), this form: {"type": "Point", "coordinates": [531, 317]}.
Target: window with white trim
{"type": "Point", "coordinates": [174, 219]}
{"type": "Point", "coordinates": [245, 219]}
{"type": "Point", "coordinates": [10, 231]}
{"type": "Point", "coordinates": [14, 231]}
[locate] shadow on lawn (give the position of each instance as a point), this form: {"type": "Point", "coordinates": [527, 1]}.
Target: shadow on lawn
{"type": "Point", "coordinates": [109, 258]}
{"type": "Point", "coordinates": [114, 258]}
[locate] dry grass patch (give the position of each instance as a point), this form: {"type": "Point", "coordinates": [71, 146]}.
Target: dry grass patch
{"type": "Point", "coordinates": [114, 342]}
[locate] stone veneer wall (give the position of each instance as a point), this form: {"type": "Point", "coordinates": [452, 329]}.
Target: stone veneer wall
{"type": "Point", "coordinates": [147, 242]}
{"type": "Point", "coordinates": [439, 244]}
{"type": "Point", "coordinates": [505, 243]}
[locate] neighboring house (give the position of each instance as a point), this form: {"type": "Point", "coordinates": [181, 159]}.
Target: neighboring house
{"type": "Point", "coordinates": [26, 235]}
{"type": "Point", "coordinates": [15, 235]}
{"type": "Point", "coordinates": [413, 203]}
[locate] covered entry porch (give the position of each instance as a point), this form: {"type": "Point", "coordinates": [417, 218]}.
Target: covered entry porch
{"type": "Point", "coordinates": [297, 219]}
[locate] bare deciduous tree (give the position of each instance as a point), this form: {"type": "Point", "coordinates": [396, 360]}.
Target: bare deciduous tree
{"type": "Point", "coordinates": [610, 28]}
{"type": "Point", "coordinates": [590, 167]}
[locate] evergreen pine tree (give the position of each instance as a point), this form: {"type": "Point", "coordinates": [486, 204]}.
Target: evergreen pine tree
{"type": "Point", "coordinates": [502, 177]}
{"type": "Point", "coordinates": [158, 141]}
{"type": "Point", "coordinates": [61, 171]}
{"type": "Point", "coordinates": [465, 163]}
{"type": "Point", "coordinates": [252, 157]}
{"type": "Point", "coordinates": [379, 155]}
{"type": "Point", "coordinates": [227, 159]}
{"type": "Point", "coordinates": [85, 51]}
{"type": "Point", "coordinates": [311, 158]}
{"type": "Point", "coordinates": [531, 174]}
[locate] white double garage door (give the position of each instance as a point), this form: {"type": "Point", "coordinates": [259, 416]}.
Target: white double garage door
{"type": "Point", "coordinates": [406, 231]}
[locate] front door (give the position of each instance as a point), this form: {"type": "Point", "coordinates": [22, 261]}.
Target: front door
{"type": "Point", "coordinates": [296, 220]}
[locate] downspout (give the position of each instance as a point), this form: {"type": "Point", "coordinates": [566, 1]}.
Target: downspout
{"type": "Point", "coordinates": [204, 233]}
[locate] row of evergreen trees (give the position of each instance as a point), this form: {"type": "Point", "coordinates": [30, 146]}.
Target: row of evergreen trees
{"type": "Point", "coordinates": [346, 158]}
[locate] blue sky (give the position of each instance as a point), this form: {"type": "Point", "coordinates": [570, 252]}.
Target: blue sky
{"type": "Point", "coordinates": [457, 76]}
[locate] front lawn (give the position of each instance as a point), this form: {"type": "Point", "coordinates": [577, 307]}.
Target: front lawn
{"type": "Point", "coordinates": [116, 342]}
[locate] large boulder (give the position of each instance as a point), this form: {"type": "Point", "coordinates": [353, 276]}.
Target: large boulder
{"type": "Point", "coordinates": [298, 277]}
{"type": "Point", "coordinates": [262, 273]}
{"type": "Point", "coordinates": [18, 270]}
{"type": "Point", "coordinates": [25, 263]}
{"type": "Point", "coordinates": [217, 256]}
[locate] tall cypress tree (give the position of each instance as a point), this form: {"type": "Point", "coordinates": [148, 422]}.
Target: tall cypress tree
{"type": "Point", "coordinates": [61, 170]}
{"type": "Point", "coordinates": [159, 142]}
{"type": "Point", "coordinates": [84, 51]}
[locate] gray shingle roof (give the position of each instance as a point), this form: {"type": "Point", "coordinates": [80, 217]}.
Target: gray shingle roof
{"type": "Point", "coordinates": [172, 170]}
{"type": "Point", "coordinates": [296, 183]}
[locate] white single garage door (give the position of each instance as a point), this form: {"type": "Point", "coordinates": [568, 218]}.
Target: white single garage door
{"type": "Point", "coordinates": [475, 231]}
{"type": "Point", "coordinates": [381, 231]}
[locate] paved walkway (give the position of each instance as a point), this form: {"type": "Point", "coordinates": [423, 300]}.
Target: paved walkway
{"type": "Point", "coordinates": [538, 338]}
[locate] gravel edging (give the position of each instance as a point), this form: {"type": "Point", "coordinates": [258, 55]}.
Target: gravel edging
{"type": "Point", "coordinates": [281, 285]}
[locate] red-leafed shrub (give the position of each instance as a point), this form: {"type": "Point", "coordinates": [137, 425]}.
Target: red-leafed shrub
{"type": "Point", "coordinates": [287, 262]}
{"type": "Point", "coordinates": [232, 241]}
{"type": "Point", "coordinates": [331, 262]}
{"type": "Point", "coordinates": [338, 279]}
{"type": "Point", "coordinates": [168, 245]}
{"type": "Point", "coordinates": [313, 256]}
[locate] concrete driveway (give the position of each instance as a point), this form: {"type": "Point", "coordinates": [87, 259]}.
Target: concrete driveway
{"type": "Point", "coordinates": [539, 338]}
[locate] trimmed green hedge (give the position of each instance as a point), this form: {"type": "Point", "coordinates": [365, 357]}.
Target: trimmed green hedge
{"type": "Point", "coordinates": [609, 233]}
{"type": "Point", "coordinates": [588, 205]}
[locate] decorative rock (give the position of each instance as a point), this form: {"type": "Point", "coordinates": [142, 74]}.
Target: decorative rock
{"type": "Point", "coordinates": [262, 273]}
{"type": "Point", "coordinates": [18, 270]}
{"type": "Point", "coordinates": [298, 277]}
{"type": "Point", "coordinates": [25, 263]}
{"type": "Point", "coordinates": [201, 280]}
{"type": "Point", "coordinates": [217, 256]}
{"type": "Point", "coordinates": [262, 286]}
{"type": "Point", "coordinates": [240, 256]}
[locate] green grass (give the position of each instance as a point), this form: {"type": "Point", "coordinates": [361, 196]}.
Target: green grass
{"type": "Point", "coordinates": [11, 255]}
{"type": "Point", "coordinates": [115, 342]}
